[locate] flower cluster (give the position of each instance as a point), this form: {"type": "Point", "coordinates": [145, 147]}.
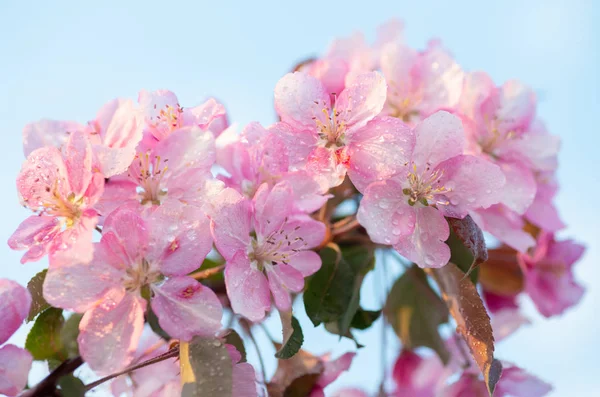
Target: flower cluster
{"type": "Point", "coordinates": [140, 209]}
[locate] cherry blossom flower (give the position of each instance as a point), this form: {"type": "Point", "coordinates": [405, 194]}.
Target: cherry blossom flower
{"type": "Point", "coordinates": [177, 168]}
{"type": "Point", "coordinates": [258, 157]}
{"type": "Point", "coordinates": [15, 362]}
{"type": "Point", "coordinates": [350, 393]}
{"type": "Point", "coordinates": [267, 246]}
{"type": "Point", "coordinates": [504, 224]}
{"type": "Point", "coordinates": [549, 279]}
{"type": "Point", "coordinates": [328, 141]}
{"type": "Point", "coordinates": [419, 83]}
{"type": "Point", "coordinates": [416, 376]}
{"type": "Point", "coordinates": [542, 212]}
{"type": "Point", "coordinates": [164, 115]}
{"type": "Point", "coordinates": [242, 375]}
{"type": "Point", "coordinates": [332, 370]}
{"type": "Point", "coordinates": [61, 187]}
{"type": "Point", "coordinates": [434, 180]}
{"type": "Point", "coordinates": [138, 256]}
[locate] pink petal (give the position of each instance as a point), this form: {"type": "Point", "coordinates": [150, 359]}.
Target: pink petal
{"type": "Point", "coordinates": [518, 383]}
{"type": "Point", "coordinates": [379, 150]}
{"type": "Point", "coordinates": [230, 223]}
{"type": "Point", "coordinates": [151, 104]}
{"type": "Point", "coordinates": [417, 376]}
{"type": "Point", "coordinates": [505, 225]}
{"type": "Point", "coordinates": [42, 175]}
{"type": "Point", "coordinates": [442, 79]}
{"type": "Point", "coordinates": [15, 301]}
{"type": "Point", "coordinates": [515, 106]}
{"type": "Point", "coordinates": [308, 195]}
{"type": "Point", "coordinates": [299, 98]}
{"type": "Point", "coordinates": [15, 364]}
{"type": "Point", "coordinates": [117, 192]}
{"type": "Point", "coordinates": [385, 213]}
{"type": "Point", "coordinates": [299, 143]}
{"type": "Point", "coordinates": [185, 308]}
{"type": "Point", "coordinates": [48, 133]}
{"type": "Point", "coordinates": [284, 279]}
{"type": "Point", "coordinates": [188, 147]}
{"type": "Point", "coordinates": [397, 64]}
{"type": "Point", "coordinates": [426, 245]}
{"type": "Point", "coordinates": [127, 234]}
{"type": "Point", "coordinates": [362, 101]}
{"type": "Point", "coordinates": [272, 206]}
{"type": "Point", "coordinates": [243, 375]}
{"type": "Point", "coordinates": [506, 322]}
{"type": "Point", "coordinates": [542, 212]}
{"type": "Point", "coordinates": [349, 393]}
{"type": "Point", "coordinates": [247, 288]}
{"type": "Point", "coordinates": [536, 148]}
{"type": "Point", "coordinates": [306, 262]}
{"type": "Point", "coordinates": [476, 87]}
{"type": "Point", "coordinates": [205, 114]}
{"type": "Point", "coordinates": [333, 369]}
{"type": "Point", "coordinates": [80, 286]}
{"type": "Point", "coordinates": [35, 234]}
{"type": "Point", "coordinates": [332, 73]}
{"type": "Point", "coordinates": [328, 166]}
{"type": "Point", "coordinates": [179, 238]}
{"type": "Point", "coordinates": [439, 137]}
{"type": "Point", "coordinates": [78, 161]}
{"type": "Point", "coordinates": [520, 188]}
{"type": "Point", "coordinates": [109, 333]}
{"type": "Point", "coordinates": [472, 183]}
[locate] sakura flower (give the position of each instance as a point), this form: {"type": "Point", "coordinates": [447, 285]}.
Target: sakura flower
{"type": "Point", "coordinates": [504, 224]}
{"type": "Point", "coordinates": [61, 187]}
{"type": "Point", "coordinates": [258, 157]}
{"type": "Point", "coordinates": [163, 114]}
{"type": "Point", "coordinates": [267, 248]}
{"type": "Point", "coordinates": [416, 376]}
{"type": "Point", "coordinates": [15, 362]}
{"type": "Point", "coordinates": [138, 256]}
{"type": "Point", "coordinates": [514, 382]}
{"type": "Point", "coordinates": [328, 141]}
{"type": "Point", "coordinates": [332, 370]}
{"type": "Point", "coordinates": [549, 279]}
{"type": "Point", "coordinates": [177, 168]}
{"type": "Point", "coordinates": [434, 180]}
{"type": "Point", "coordinates": [48, 133]}
{"type": "Point", "coordinates": [542, 212]}
{"type": "Point", "coordinates": [350, 393]}
{"type": "Point", "coordinates": [242, 375]}
{"type": "Point", "coordinates": [419, 83]}
{"type": "Point", "coordinates": [115, 134]}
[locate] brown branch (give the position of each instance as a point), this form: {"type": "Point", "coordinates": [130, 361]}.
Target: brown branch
{"type": "Point", "coordinates": [202, 274]}
{"type": "Point", "coordinates": [47, 387]}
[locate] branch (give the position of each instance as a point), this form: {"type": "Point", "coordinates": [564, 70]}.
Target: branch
{"type": "Point", "coordinates": [47, 387]}
{"type": "Point", "coordinates": [202, 274]}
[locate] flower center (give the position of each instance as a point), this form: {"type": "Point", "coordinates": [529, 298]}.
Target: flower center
{"type": "Point", "coordinates": [495, 137]}
{"type": "Point", "coordinates": [330, 127]}
{"type": "Point", "coordinates": [277, 247]}
{"type": "Point", "coordinates": [68, 210]}
{"type": "Point", "coordinates": [150, 177]}
{"type": "Point", "coordinates": [140, 275]}
{"type": "Point", "coordinates": [168, 119]}
{"type": "Point", "coordinates": [425, 186]}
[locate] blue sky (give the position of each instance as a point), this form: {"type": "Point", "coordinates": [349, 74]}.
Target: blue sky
{"type": "Point", "coordinates": [63, 60]}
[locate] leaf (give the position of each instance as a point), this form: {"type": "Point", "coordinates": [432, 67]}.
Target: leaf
{"type": "Point", "coordinates": [363, 319]}
{"type": "Point", "coordinates": [71, 386]}
{"type": "Point", "coordinates": [467, 245]}
{"type": "Point", "coordinates": [415, 312]}
{"type": "Point", "coordinates": [44, 341]}
{"type": "Point", "coordinates": [472, 320]}
{"type": "Point", "coordinates": [206, 368]}
{"type": "Point", "coordinates": [501, 274]}
{"type": "Point", "coordinates": [335, 329]}
{"type": "Point", "coordinates": [333, 293]}
{"type": "Point", "coordinates": [69, 334]}
{"type": "Point", "coordinates": [36, 289]}
{"type": "Point", "coordinates": [292, 336]}
{"type": "Point", "coordinates": [152, 321]}
{"type": "Point", "coordinates": [234, 339]}
{"type": "Point", "coordinates": [294, 375]}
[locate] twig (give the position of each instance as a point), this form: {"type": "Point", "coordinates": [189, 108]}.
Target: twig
{"type": "Point", "coordinates": [260, 358]}
{"type": "Point", "coordinates": [202, 274]}
{"type": "Point", "coordinates": [98, 229]}
{"type": "Point", "coordinates": [174, 352]}
{"type": "Point", "coordinates": [346, 227]}
{"type": "Point", "coordinates": [47, 387]}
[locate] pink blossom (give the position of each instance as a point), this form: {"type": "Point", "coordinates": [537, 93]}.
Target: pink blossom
{"type": "Point", "coordinates": [45, 133]}
{"type": "Point", "coordinates": [242, 375]}
{"type": "Point", "coordinates": [115, 134]}
{"type": "Point", "coordinates": [152, 253]}
{"type": "Point", "coordinates": [542, 212]}
{"type": "Point", "coordinates": [176, 168]}
{"type": "Point", "coordinates": [267, 247]}
{"type": "Point", "coordinates": [164, 115]}
{"type": "Point", "coordinates": [416, 376]}
{"type": "Point", "coordinates": [504, 224]}
{"type": "Point", "coordinates": [15, 362]}
{"type": "Point", "coordinates": [514, 382]}
{"type": "Point", "coordinates": [507, 321]}
{"type": "Point", "coordinates": [352, 392]}
{"type": "Point", "coordinates": [258, 157]}
{"type": "Point", "coordinates": [62, 188]}
{"type": "Point", "coordinates": [549, 279]}
{"type": "Point", "coordinates": [332, 370]}
{"type": "Point", "coordinates": [328, 141]}
{"type": "Point", "coordinates": [434, 180]}
{"type": "Point", "coordinates": [419, 83]}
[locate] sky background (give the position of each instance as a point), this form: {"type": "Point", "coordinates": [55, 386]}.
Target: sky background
{"type": "Point", "coordinates": [63, 60]}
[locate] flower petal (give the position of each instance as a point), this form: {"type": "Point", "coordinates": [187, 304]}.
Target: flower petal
{"type": "Point", "coordinates": [15, 301]}
{"type": "Point", "coordinates": [284, 279]}
{"type": "Point", "coordinates": [15, 364]}
{"type": "Point", "coordinates": [48, 133]}
{"type": "Point", "coordinates": [185, 308]}
{"type": "Point", "coordinates": [306, 262]}
{"type": "Point", "coordinates": [230, 223]}
{"type": "Point", "coordinates": [437, 138]}
{"type": "Point", "coordinates": [299, 97]}
{"type": "Point", "coordinates": [78, 161]}
{"type": "Point", "coordinates": [35, 234]}
{"type": "Point", "coordinates": [247, 288]}
{"type": "Point", "coordinates": [126, 233]}
{"type": "Point", "coordinates": [362, 100]}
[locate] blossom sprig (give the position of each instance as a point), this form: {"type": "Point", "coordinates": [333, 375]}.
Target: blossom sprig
{"type": "Point", "coordinates": [161, 221]}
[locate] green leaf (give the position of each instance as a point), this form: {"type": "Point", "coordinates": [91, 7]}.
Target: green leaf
{"type": "Point", "coordinates": [333, 293]}
{"type": "Point", "coordinates": [36, 289]}
{"type": "Point", "coordinates": [152, 321]}
{"type": "Point", "coordinates": [69, 334]}
{"type": "Point", "coordinates": [292, 336]}
{"type": "Point", "coordinates": [472, 320]}
{"type": "Point", "coordinates": [71, 386]}
{"type": "Point", "coordinates": [44, 340]}
{"type": "Point", "coordinates": [467, 245]}
{"type": "Point", "coordinates": [335, 329]}
{"type": "Point", "coordinates": [206, 368]}
{"type": "Point", "coordinates": [363, 319]}
{"type": "Point", "coordinates": [234, 339]}
{"type": "Point", "coordinates": [415, 312]}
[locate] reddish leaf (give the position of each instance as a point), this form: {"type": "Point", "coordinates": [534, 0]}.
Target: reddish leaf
{"type": "Point", "coordinates": [299, 373]}
{"type": "Point", "coordinates": [501, 273]}
{"type": "Point", "coordinates": [467, 243]}
{"type": "Point", "coordinates": [472, 320]}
